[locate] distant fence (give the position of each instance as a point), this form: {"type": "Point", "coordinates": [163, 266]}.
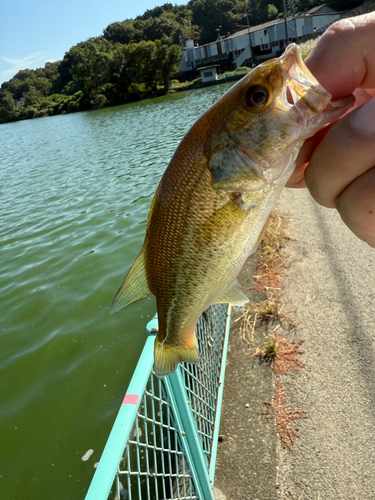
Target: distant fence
{"type": "Point", "coordinates": [163, 443]}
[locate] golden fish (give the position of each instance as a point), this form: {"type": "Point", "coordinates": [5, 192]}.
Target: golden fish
{"type": "Point", "coordinates": [215, 197]}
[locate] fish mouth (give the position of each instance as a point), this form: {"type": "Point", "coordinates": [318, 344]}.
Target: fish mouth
{"type": "Point", "coordinates": [302, 97]}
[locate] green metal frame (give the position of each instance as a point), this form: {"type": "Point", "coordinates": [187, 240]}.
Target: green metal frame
{"type": "Point", "coordinates": [167, 429]}
{"type": "Point", "coordinates": [220, 397]}
{"type": "Point", "coordinates": [101, 484]}
{"type": "Point", "coordinates": [198, 461]}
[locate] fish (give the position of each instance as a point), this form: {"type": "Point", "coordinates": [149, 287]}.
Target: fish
{"type": "Point", "coordinates": [210, 210]}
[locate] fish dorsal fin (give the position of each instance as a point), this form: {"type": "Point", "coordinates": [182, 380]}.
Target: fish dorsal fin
{"type": "Point", "coordinates": [234, 295]}
{"type": "Point", "coordinates": [135, 286]}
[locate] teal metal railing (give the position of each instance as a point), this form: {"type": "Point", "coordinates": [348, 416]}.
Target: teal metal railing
{"type": "Point", "coordinates": [163, 443]}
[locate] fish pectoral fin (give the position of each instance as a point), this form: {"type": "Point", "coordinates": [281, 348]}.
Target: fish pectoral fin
{"type": "Point", "coordinates": [167, 357]}
{"type": "Point", "coordinates": [234, 295]}
{"type": "Point", "coordinates": [135, 286]}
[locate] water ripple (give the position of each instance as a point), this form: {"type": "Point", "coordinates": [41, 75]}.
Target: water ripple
{"type": "Point", "coordinates": [75, 191]}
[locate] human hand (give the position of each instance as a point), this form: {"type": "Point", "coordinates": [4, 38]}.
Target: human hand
{"type": "Point", "coordinates": [338, 164]}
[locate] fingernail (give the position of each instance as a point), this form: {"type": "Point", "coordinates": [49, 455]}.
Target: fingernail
{"type": "Point", "coordinates": [364, 118]}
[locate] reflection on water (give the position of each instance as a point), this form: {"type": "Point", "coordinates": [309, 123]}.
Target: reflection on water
{"type": "Point", "coordinates": [74, 197]}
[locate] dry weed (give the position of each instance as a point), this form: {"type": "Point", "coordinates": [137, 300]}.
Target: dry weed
{"type": "Point", "coordinates": [283, 413]}
{"type": "Point", "coordinates": [270, 263]}
{"type": "Point", "coordinates": [282, 354]}
{"type": "Point", "coordinates": [269, 272]}
{"type": "Point", "coordinates": [308, 46]}
{"type": "Point", "coordinates": [270, 311]}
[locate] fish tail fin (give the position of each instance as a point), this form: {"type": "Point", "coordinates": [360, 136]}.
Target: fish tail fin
{"type": "Point", "coordinates": [167, 356]}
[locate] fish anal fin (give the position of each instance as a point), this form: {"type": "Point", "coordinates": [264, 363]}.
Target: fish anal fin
{"type": "Point", "coordinates": [233, 295]}
{"type": "Point", "coordinates": [134, 287]}
{"type": "Point", "coordinates": [167, 356]}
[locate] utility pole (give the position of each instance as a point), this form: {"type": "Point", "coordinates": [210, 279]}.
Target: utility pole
{"type": "Point", "coordinates": [248, 29]}
{"type": "Point", "coordinates": [286, 23]}
{"type": "Point", "coordinates": [292, 8]}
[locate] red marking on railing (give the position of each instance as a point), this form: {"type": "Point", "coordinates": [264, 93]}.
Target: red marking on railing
{"type": "Point", "coordinates": [130, 399]}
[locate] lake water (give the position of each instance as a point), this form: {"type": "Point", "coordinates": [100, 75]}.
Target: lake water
{"type": "Point", "coordinates": [75, 191]}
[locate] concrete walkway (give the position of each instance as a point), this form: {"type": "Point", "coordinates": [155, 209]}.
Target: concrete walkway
{"type": "Point", "coordinates": [331, 283]}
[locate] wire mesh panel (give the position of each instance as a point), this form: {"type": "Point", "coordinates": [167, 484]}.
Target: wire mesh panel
{"type": "Point", "coordinates": [154, 465]}
{"type": "Point", "coordinates": [163, 443]}
{"type": "Point", "coordinates": [202, 380]}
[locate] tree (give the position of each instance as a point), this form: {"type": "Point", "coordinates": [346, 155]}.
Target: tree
{"type": "Point", "coordinates": [259, 11]}
{"type": "Point", "coordinates": [213, 17]}
{"type": "Point", "coordinates": [143, 57]}
{"type": "Point", "coordinates": [24, 74]}
{"type": "Point", "coordinates": [272, 11]}
{"type": "Point", "coordinates": [7, 106]}
{"type": "Point", "coordinates": [169, 20]}
{"type": "Point", "coordinates": [168, 56]}
{"type": "Point", "coordinates": [33, 95]}
{"type": "Point", "coordinates": [122, 74]}
{"type": "Point", "coordinates": [86, 67]}
{"type": "Point", "coordinates": [155, 28]}
{"type": "Point", "coordinates": [51, 73]}
{"type": "Point", "coordinates": [123, 32]}
{"type": "Point", "coordinates": [157, 11]}
{"type": "Point", "coordinates": [16, 87]}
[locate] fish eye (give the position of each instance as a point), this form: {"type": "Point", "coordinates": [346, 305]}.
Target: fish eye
{"type": "Point", "coordinates": [257, 96]}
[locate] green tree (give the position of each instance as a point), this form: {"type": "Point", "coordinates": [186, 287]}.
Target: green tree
{"type": "Point", "coordinates": [213, 17]}
{"type": "Point", "coordinates": [168, 56]}
{"type": "Point", "coordinates": [172, 21]}
{"type": "Point", "coordinates": [122, 74]}
{"type": "Point", "coordinates": [143, 57]}
{"type": "Point", "coordinates": [258, 11]}
{"type": "Point", "coordinates": [33, 95]}
{"type": "Point", "coordinates": [7, 106]}
{"type": "Point", "coordinates": [24, 74]}
{"type": "Point", "coordinates": [272, 11]}
{"type": "Point", "coordinates": [86, 67]}
{"type": "Point", "coordinates": [155, 28]}
{"type": "Point", "coordinates": [51, 72]}
{"type": "Point", "coordinates": [16, 87]}
{"type": "Point", "coordinates": [157, 11]}
{"type": "Point", "coordinates": [123, 32]}
{"type": "Point", "coordinates": [24, 80]}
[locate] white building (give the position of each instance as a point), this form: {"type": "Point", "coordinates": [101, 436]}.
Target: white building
{"type": "Point", "coordinates": [208, 73]}
{"type": "Point", "coordinates": [258, 43]}
{"type": "Point", "coordinates": [21, 101]}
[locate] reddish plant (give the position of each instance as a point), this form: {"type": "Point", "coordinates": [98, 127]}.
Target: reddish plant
{"type": "Point", "coordinates": [283, 413]}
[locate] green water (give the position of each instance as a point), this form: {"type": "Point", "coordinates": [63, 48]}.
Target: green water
{"type": "Point", "coordinates": [74, 197]}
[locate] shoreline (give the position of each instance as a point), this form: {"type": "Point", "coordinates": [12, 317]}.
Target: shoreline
{"type": "Point", "coordinates": [32, 113]}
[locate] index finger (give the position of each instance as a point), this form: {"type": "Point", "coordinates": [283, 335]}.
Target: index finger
{"type": "Point", "coordinates": [343, 59]}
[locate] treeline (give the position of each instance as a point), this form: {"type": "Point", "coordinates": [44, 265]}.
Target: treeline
{"type": "Point", "coordinates": [203, 20]}
{"type": "Point", "coordinates": [133, 59]}
{"type": "Point", "coordinates": [92, 74]}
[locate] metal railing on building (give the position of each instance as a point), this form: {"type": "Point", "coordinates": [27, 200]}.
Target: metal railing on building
{"type": "Point", "coordinates": [163, 443]}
